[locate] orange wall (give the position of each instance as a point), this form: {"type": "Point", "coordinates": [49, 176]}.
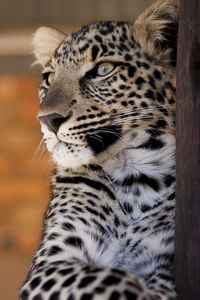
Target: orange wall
{"type": "Point", "coordinates": [24, 178]}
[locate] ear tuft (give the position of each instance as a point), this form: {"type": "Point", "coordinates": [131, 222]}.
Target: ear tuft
{"type": "Point", "coordinates": [156, 31]}
{"type": "Point", "coordinates": [45, 42]}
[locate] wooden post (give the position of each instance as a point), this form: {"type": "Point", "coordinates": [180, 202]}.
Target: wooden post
{"type": "Point", "coordinates": [187, 236]}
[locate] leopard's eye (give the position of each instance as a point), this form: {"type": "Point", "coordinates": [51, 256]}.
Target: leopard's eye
{"type": "Point", "coordinates": [105, 68]}
{"type": "Point", "coordinates": [48, 77]}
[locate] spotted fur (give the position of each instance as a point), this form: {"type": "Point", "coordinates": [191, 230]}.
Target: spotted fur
{"type": "Point", "coordinates": [109, 227]}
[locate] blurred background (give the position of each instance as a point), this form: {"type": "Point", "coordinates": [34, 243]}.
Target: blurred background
{"type": "Point", "coordinates": [24, 164]}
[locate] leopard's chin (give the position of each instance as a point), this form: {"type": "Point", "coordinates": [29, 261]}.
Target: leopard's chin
{"type": "Point", "coordinates": [71, 155]}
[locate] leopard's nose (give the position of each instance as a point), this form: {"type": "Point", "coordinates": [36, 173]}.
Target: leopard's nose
{"type": "Point", "coordinates": [54, 120]}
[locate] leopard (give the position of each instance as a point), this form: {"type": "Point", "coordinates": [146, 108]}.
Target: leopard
{"type": "Point", "coordinates": [107, 115]}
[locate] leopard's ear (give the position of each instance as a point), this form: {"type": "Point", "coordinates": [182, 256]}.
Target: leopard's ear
{"type": "Point", "coordinates": [156, 31]}
{"type": "Point", "coordinates": [45, 42]}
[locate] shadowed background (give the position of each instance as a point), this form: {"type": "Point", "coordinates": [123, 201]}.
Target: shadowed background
{"type": "Point", "coordinates": [24, 171]}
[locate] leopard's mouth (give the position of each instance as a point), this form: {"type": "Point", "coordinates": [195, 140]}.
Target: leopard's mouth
{"type": "Point", "coordinates": [71, 153]}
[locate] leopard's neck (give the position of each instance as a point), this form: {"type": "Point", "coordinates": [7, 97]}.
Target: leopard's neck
{"type": "Point", "coordinates": [143, 173]}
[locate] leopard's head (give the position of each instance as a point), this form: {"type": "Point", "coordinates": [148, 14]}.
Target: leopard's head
{"type": "Point", "coordinates": [105, 82]}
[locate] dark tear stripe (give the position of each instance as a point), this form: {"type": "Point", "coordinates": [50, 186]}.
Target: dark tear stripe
{"type": "Point", "coordinates": [108, 135]}
{"type": "Point", "coordinates": [92, 183]}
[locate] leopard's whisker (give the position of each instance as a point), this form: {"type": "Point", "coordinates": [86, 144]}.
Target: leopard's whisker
{"type": "Point", "coordinates": [40, 148]}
